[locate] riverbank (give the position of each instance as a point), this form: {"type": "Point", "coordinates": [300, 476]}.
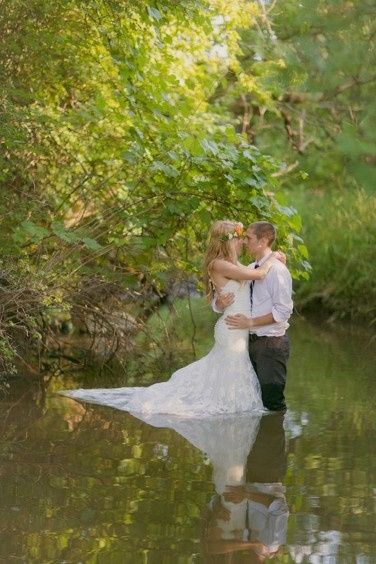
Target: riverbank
{"type": "Point", "coordinates": [174, 335]}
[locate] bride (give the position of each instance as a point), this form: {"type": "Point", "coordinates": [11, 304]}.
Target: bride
{"type": "Point", "coordinates": [222, 382]}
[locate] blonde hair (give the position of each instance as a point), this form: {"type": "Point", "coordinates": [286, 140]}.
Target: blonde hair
{"type": "Point", "coordinates": [218, 249]}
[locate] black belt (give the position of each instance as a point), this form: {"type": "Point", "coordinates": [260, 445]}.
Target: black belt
{"type": "Point", "coordinates": [254, 337]}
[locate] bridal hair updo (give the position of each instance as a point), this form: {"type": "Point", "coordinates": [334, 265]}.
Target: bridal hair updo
{"type": "Point", "coordinates": [219, 247]}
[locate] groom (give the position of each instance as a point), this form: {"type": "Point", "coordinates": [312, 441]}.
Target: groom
{"type": "Point", "coordinates": [270, 308]}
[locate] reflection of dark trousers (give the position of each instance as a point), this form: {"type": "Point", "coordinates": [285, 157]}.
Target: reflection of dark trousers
{"type": "Point", "coordinates": [267, 461]}
{"type": "Point", "coordinates": [269, 356]}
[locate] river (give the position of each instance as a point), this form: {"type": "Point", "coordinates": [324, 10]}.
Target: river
{"type": "Point", "coordinates": [82, 483]}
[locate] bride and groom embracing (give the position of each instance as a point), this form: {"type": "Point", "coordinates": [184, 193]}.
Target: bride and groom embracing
{"type": "Point", "coordinates": [245, 371]}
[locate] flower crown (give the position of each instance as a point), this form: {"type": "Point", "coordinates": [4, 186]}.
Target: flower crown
{"type": "Point", "coordinates": [236, 234]}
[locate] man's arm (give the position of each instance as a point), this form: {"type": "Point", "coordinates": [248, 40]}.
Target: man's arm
{"type": "Point", "coordinates": [267, 319]}
{"type": "Point", "coordinates": [280, 288]}
{"type": "Point", "coordinates": [240, 321]}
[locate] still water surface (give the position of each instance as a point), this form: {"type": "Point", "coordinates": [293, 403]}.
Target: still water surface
{"type": "Point", "coordinates": [81, 483]}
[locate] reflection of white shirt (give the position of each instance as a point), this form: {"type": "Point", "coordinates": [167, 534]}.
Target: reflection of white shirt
{"type": "Point", "coordinates": [271, 295]}
{"type": "Point", "coordinates": [235, 526]}
{"type": "Point", "coordinates": [251, 520]}
{"type": "Point", "coordinates": [268, 525]}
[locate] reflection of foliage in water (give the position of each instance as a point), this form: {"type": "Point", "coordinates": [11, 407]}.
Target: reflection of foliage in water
{"type": "Point", "coordinates": [87, 479]}
{"type": "Point", "coordinates": [96, 482]}
{"type": "Point", "coordinates": [331, 467]}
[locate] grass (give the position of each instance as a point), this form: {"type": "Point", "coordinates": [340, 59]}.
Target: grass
{"type": "Point", "coordinates": [340, 232]}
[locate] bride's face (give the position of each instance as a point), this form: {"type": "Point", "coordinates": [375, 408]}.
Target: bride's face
{"type": "Point", "coordinates": [237, 245]}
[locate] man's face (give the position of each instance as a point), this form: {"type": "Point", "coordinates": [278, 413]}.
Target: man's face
{"type": "Point", "coordinates": [251, 242]}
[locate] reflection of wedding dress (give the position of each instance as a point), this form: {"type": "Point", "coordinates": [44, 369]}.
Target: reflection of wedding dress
{"type": "Point", "coordinates": [222, 382]}
{"type": "Point", "coordinates": [226, 440]}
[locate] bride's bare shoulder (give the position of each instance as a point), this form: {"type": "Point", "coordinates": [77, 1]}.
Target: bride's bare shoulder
{"type": "Point", "coordinates": [218, 264]}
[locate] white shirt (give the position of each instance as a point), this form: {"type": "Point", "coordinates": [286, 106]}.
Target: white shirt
{"type": "Point", "coordinates": [272, 295]}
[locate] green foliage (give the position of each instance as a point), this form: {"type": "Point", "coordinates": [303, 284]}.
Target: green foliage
{"type": "Point", "coordinates": [303, 91]}
{"type": "Point", "coordinates": [114, 160]}
{"type": "Point", "coordinates": [340, 230]}
{"type": "Point", "coordinates": [7, 367]}
{"type": "Point", "coordinates": [317, 62]}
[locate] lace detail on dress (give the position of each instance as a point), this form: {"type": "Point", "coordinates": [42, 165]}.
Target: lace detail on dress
{"type": "Point", "coordinates": [222, 382]}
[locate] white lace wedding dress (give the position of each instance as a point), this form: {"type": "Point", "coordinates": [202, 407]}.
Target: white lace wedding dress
{"type": "Point", "coordinates": [222, 382]}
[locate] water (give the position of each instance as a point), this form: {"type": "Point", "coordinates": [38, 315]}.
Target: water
{"type": "Point", "coordinates": [81, 483]}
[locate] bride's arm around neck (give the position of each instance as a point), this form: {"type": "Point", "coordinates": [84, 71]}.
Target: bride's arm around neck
{"type": "Point", "coordinates": [225, 270]}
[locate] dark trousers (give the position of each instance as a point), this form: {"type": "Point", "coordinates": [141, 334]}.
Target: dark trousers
{"type": "Point", "coordinates": [269, 356]}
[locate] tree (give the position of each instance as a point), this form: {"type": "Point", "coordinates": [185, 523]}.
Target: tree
{"type": "Point", "coordinates": [303, 92]}
{"type": "Point", "coordinates": [114, 160]}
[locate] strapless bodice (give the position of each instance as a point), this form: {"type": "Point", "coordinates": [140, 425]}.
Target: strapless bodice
{"type": "Point", "coordinates": [241, 302]}
{"type": "Point", "coordinates": [230, 339]}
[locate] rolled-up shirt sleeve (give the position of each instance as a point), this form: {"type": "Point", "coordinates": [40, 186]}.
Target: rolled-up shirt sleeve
{"type": "Point", "coordinates": [280, 288]}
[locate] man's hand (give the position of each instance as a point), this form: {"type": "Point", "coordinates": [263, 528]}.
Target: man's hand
{"type": "Point", "coordinates": [224, 300]}
{"type": "Point", "coordinates": [280, 256]}
{"type": "Point", "coordinates": [239, 321]}
{"type": "Point", "coordinates": [222, 513]}
{"type": "Point", "coordinates": [235, 494]}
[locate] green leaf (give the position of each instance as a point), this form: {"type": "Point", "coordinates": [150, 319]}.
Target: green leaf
{"type": "Point", "coordinates": [193, 145]}
{"type": "Point", "coordinates": [34, 231]}
{"type": "Point", "coordinates": [91, 244]}
{"type": "Point", "coordinates": [251, 181]}
{"type": "Point", "coordinates": [303, 251]}
{"type": "Point", "coordinates": [209, 146]}
{"type": "Point", "coordinates": [154, 13]}
{"type": "Point", "coordinates": [64, 234]}
{"type": "Point", "coordinates": [130, 157]}
{"type": "Point", "coordinates": [168, 170]}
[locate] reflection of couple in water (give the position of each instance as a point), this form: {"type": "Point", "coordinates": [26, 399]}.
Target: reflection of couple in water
{"type": "Point", "coordinates": [246, 520]}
